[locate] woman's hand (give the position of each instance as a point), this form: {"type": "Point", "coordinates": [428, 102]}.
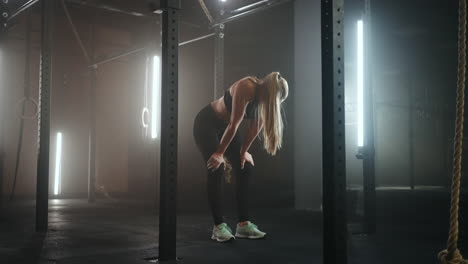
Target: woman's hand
{"type": "Point", "coordinates": [246, 157]}
{"type": "Point", "coordinates": [215, 161]}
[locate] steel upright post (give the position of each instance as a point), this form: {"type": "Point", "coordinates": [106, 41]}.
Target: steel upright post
{"type": "Point", "coordinates": [169, 130]}
{"type": "Point", "coordinates": [219, 54]}
{"type": "Point", "coordinates": [92, 136]}
{"type": "Point", "coordinates": [370, 196]}
{"type": "Point", "coordinates": [334, 160]}
{"type": "Point", "coordinates": [92, 123]}
{"type": "Point", "coordinates": [3, 16]}
{"type": "Point", "coordinates": [42, 188]}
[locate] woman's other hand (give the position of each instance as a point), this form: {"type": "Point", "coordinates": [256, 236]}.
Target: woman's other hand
{"type": "Point", "coordinates": [215, 161]}
{"type": "Point", "coordinates": [246, 157]}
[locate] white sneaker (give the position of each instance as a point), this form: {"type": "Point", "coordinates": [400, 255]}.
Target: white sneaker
{"type": "Point", "coordinates": [222, 233]}
{"type": "Point", "coordinates": [249, 231]}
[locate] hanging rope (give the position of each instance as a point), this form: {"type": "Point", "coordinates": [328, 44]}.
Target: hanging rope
{"type": "Point", "coordinates": [452, 255]}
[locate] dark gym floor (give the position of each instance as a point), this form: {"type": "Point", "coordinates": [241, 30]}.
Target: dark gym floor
{"type": "Point", "coordinates": [412, 228]}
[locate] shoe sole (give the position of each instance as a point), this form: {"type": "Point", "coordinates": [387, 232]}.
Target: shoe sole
{"type": "Point", "coordinates": [222, 241]}
{"type": "Point", "coordinates": [250, 237]}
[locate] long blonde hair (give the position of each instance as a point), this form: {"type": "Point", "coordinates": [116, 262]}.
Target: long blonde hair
{"type": "Point", "coordinates": [273, 90]}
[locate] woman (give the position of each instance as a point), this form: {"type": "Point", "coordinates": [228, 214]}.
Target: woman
{"type": "Point", "coordinates": [215, 133]}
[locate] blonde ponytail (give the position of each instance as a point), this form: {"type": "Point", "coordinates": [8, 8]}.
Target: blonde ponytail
{"type": "Point", "coordinates": [275, 91]}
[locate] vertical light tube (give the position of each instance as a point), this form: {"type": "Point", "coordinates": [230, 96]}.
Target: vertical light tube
{"type": "Point", "coordinates": [58, 165]}
{"type": "Point", "coordinates": [360, 82]}
{"type": "Point", "coordinates": [156, 97]}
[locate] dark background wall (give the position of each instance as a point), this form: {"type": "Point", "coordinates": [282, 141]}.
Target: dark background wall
{"type": "Point", "coordinates": [414, 81]}
{"type": "Point", "coordinates": [126, 160]}
{"type": "Point", "coordinates": [414, 77]}
{"type": "Point", "coordinates": [308, 105]}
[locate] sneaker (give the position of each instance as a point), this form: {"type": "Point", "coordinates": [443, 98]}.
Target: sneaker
{"type": "Point", "coordinates": [249, 231]}
{"type": "Point", "coordinates": [222, 233]}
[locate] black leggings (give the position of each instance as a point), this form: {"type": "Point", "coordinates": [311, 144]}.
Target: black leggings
{"type": "Point", "coordinates": [208, 131]}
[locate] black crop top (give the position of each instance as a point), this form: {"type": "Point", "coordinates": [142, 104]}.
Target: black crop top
{"type": "Point", "coordinates": [250, 111]}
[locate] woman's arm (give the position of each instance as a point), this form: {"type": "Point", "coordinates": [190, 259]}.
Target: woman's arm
{"type": "Point", "coordinates": [255, 126]}
{"type": "Point", "coordinates": [241, 93]}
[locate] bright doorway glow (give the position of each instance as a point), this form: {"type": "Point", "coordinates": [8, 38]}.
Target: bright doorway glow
{"type": "Point", "coordinates": [58, 165]}
{"type": "Point", "coordinates": [156, 98]}
{"type": "Point", "coordinates": [360, 82]}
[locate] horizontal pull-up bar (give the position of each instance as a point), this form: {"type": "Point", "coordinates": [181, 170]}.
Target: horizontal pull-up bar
{"type": "Point", "coordinates": [267, 5]}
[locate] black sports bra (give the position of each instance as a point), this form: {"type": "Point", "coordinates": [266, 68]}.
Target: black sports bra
{"type": "Point", "coordinates": [250, 111]}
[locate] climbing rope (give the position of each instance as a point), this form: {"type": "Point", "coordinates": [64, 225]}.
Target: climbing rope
{"type": "Point", "coordinates": [452, 255]}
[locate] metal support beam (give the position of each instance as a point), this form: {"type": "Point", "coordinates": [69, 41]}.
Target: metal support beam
{"type": "Point", "coordinates": [268, 5]}
{"type": "Point", "coordinates": [23, 8]}
{"type": "Point", "coordinates": [219, 53]}
{"type": "Point", "coordinates": [92, 136]}
{"type": "Point", "coordinates": [196, 39]}
{"type": "Point", "coordinates": [117, 56]}
{"type": "Point", "coordinates": [334, 160]}
{"type": "Point", "coordinates": [2, 108]}
{"type": "Point", "coordinates": [92, 121]}
{"type": "Point", "coordinates": [107, 8]}
{"type": "Point", "coordinates": [169, 129]}
{"type": "Point", "coordinates": [75, 31]}
{"type": "Point", "coordinates": [137, 50]}
{"type": "Point", "coordinates": [411, 129]}
{"type": "Point", "coordinates": [219, 61]}
{"type": "Point", "coordinates": [4, 15]}
{"type": "Point", "coordinates": [42, 188]}
{"type": "Point", "coordinates": [247, 7]}
{"type": "Point", "coordinates": [370, 195]}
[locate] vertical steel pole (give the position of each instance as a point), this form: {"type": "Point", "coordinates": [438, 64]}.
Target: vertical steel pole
{"type": "Point", "coordinates": [219, 54]}
{"type": "Point", "coordinates": [3, 86]}
{"type": "Point", "coordinates": [92, 136]}
{"type": "Point", "coordinates": [334, 167]}
{"type": "Point", "coordinates": [219, 61]}
{"type": "Point", "coordinates": [92, 123]}
{"type": "Point", "coordinates": [411, 132]}
{"type": "Point", "coordinates": [169, 129]}
{"type": "Point", "coordinates": [42, 188]}
{"type": "Point", "coordinates": [370, 195]}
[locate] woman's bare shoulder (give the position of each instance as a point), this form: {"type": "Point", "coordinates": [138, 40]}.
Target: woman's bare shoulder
{"type": "Point", "coordinates": [245, 86]}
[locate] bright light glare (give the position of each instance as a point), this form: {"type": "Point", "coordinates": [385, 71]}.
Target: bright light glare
{"type": "Point", "coordinates": [360, 82]}
{"type": "Point", "coordinates": [58, 165]}
{"type": "Point", "coordinates": [156, 97]}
